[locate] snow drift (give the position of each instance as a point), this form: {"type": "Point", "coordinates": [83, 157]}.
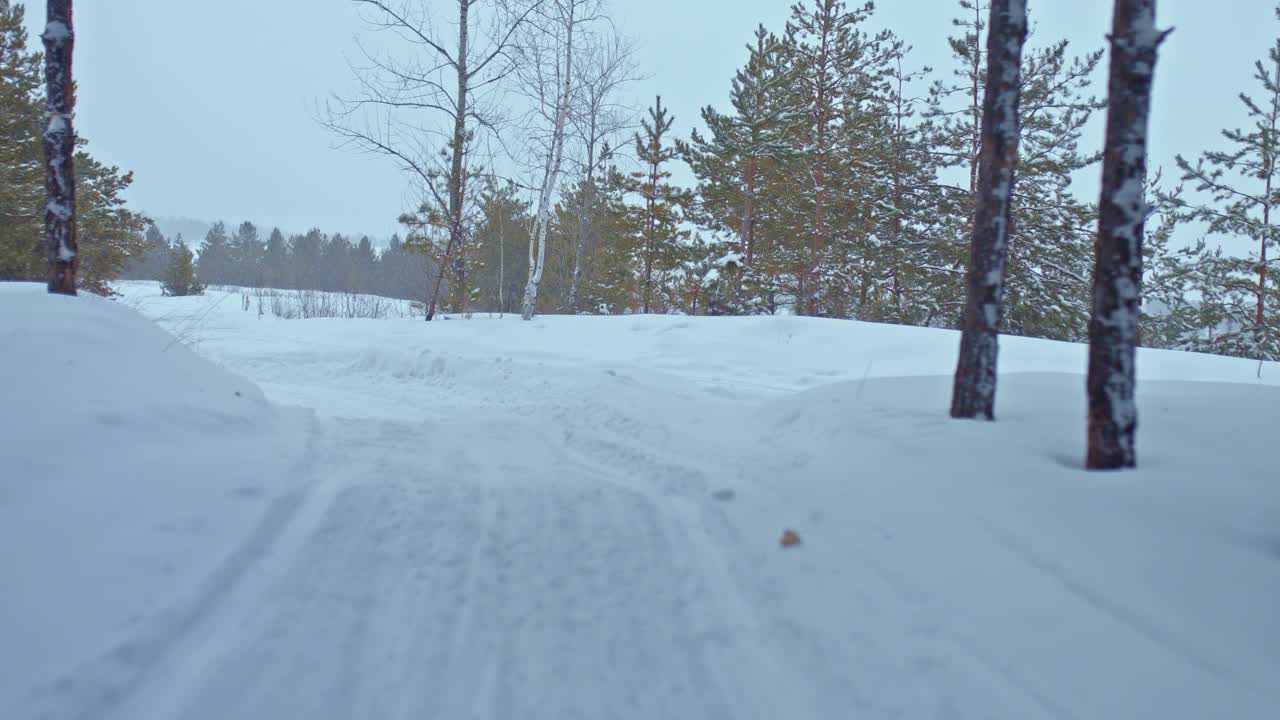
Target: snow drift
{"type": "Point", "coordinates": [133, 473]}
{"type": "Point", "coordinates": [580, 517]}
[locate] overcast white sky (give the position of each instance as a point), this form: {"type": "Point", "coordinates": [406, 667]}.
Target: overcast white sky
{"type": "Point", "coordinates": [212, 103]}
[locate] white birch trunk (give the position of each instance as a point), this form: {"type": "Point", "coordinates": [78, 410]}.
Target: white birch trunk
{"type": "Point", "coordinates": [538, 239]}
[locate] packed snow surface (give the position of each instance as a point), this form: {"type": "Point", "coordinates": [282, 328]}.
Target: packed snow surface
{"type": "Point", "coordinates": [575, 517]}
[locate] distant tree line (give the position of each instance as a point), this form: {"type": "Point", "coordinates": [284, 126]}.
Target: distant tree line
{"type": "Point", "coordinates": [311, 261]}
{"type": "Point", "coordinates": [837, 182]}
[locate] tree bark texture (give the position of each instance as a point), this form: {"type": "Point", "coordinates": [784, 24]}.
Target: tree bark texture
{"type": "Point", "coordinates": [59, 150]}
{"type": "Point", "coordinates": [975, 382]}
{"type": "Point", "coordinates": [1117, 281]}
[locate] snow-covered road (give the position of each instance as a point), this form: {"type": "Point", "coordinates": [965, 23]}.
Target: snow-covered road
{"type": "Point", "coordinates": [579, 518]}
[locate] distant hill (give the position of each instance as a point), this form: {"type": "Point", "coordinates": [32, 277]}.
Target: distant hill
{"type": "Point", "coordinates": [192, 230]}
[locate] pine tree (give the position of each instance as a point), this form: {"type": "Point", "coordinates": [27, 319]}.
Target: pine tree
{"type": "Point", "coordinates": [110, 235]}
{"type": "Point", "coordinates": [900, 249]}
{"type": "Point", "coordinates": [826, 51]}
{"type": "Point", "coordinates": [975, 381]}
{"type": "Point", "coordinates": [364, 262]}
{"type": "Point", "coordinates": [732, 162]}
{"type": "Point", "coordinates": [658, 219]}
{"type": "Point", "coordinates": [1168, 309]}
{"type": "Point", "coordinates": [407, 273]}
{"type": "Point", "coordinates": [275, 262]}
{"type": "Point", "coordinates": [611, 282]}
{"type": "Point", "coordinates": [154, 262]}
{"type": "Point", "coordinates": [215, 265]}
{"type": "Point", "coordinates": [1117, 284]}
{"type": "Point", "coordinates": [1239, 314]}
{"type": "Point", "coordinates": [501, 242]}
{"type": "Point", "coordinates": [335, 263]}
{"type": "Point", "coordinates": [304, 259]}
{"type": "Point", "coordinates": [1051, 230]}
{"type": "Point", "coordinates": [21, 153]}
{"type": "Point", "coordinates": [247, 253]}
{"type": "Point", "coordinates": [180, 278]}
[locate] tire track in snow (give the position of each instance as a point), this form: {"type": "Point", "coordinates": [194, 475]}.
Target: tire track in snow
{"type": "Point", "coordinates": [736, 646]}
{"type": "Point", "coordinates": [415, 593]}
{"type": "Point", "coordinates": [102, 686]}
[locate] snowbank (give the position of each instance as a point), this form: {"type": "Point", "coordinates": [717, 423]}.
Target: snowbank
{"type": "Point", "coordinates": [580, 517]}
{"type": "Point", "coordinates": [132, 471]}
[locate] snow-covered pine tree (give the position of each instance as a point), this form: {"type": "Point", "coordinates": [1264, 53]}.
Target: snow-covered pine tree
{"type": "Point", "coordinates": [246, 256]}
{"type": "Point", "coordinates": [501, 238]}
{"type": "Point", "coordinates": [180, 277]}
{"type": "Point", "coordinates": [110, 235]}
{"type": "Point", "coordinates": [731, 164]}
{"type": "Point", "coordinates": [364, 266]}
{"type": "Point", "coordinates": [825, 50]}
{"type": "Point", "coordinates": [975, 381]}
{"type": "Point", "coordinates": [658, 219]}
{"type": "Point", "coordinates": [887, 246]}
{"type": "Point", "coordinates": [275, 262]}
{"type": "Point", "coordinates": [610, 283]}
{"type": "Point", "coordinates": [215, 266]}
{"type": "Point", "coordinates": [154, 261]}
{"type": "Point", "coordinates": [1169, 309]}
{"type": "Point", "coordinates": [1239, 314]}
{"type": "Point", "coordinates": [1051, 230]}
{"type": "Point", "coordinates": [1051, 236]}
{"type": "Point", "coordinates": [1117, 281]}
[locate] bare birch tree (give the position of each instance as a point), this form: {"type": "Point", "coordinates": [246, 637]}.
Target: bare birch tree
{"type": "Point", "coordinates": [425, 109]}
{"type": "Point", "coordinates": [974, 393]}
{"type": "Point", "coordinates": [1117, 278]}
{"type": "Point", "coordinates": [548, 77]}
{"type": "Point", "coordinates": [60, 149]}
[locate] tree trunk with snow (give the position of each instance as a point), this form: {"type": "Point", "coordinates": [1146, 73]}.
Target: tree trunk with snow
{"type": "Point", "coordinates": [59, 150]}
{"type": "Point", "coordinates": [1117, 281]}
{"type": "Point", "coordinates": [975, 382]}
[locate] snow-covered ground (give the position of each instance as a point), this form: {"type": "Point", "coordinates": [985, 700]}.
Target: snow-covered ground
{"type": "Point", "coordinates": [579, 518]}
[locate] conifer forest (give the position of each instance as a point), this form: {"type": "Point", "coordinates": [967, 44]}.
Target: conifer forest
{"type": "Point", "coordinates": [831, 176]}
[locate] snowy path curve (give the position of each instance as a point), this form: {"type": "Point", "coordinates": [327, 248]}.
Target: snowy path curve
{"type": "Point", "coordinates": [534, 551]}
{"type": "Point", "coordinates": [498, 527]}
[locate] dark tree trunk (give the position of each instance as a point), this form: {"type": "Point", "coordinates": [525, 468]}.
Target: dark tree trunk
{"type": "Point", "coordinates": [59, 151]}
{"type": "Point", "coordinates": [975, 383]}
{"type": "Point", "coordinates": [454, 250]}
{"type": "Point", "coordinates": [748, 240]}
{"type": "Point", "coordinates": [1117, 277]}
{"type": "Point", "coordinates": [1269, 171]}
